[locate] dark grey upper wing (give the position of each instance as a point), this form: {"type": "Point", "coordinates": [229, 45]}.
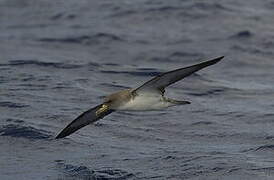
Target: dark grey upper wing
{"type": "Point", "coordinates": [84, 119]}
{"type": "Point", "coordinates": [163, 80]}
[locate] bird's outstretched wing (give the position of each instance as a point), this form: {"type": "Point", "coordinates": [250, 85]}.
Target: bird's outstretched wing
{"type": "Point", "coordinates": [85, 118]}
{"type": "Point", "coordinates": [159, 83]}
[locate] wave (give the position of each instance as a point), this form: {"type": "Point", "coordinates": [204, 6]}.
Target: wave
{"type": "Point", "coordinates": [202, 123]}
{"type": "Point", "coordinates": [12, 104]}
{"type": "Point", "coordinates": [27, 132]}
{"type": "Point", "coordinates": [265, 147]}
{"type": "Point", "coordinates": [133, 73]}
{"type": "Point", "coordinates": [83, 172]}
{"type": "Point", "coordinates": [85, 39]}
{"type": "Point", "coordinates": [208, 92]}
{"type": "Point", "coordinates": [245, 34]}
{"type": "Point", "coordinates": [41, 63]}
{"type": "Point", "coordinates": [62, 16]}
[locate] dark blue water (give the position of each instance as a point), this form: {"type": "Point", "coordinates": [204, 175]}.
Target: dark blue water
{"type": "Point", "coordinates": [57, 59]}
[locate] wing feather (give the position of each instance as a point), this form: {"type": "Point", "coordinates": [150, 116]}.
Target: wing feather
{"type": "Point", "coordinates": [163, 80]}
{"type": "Point", "coordinates": [84, 119]}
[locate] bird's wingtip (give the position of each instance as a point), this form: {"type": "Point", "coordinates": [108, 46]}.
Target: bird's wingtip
{"type": "Point", "coordinates": [213, 61]}
{"type": "Point", "coordinates": [218, 59]}
{"type": "Point", "coordinates": [60, 135]}
{"type": "Point", "coordinates": [57, 137]}
{"type": "Point", "coordinates": [221, 57]}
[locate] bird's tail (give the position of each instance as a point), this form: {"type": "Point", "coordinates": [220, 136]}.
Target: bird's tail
{"type": "Point", "coordinates": [85, 118]}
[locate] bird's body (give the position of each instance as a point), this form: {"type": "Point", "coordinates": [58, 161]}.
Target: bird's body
{"type": "Point", "coordinates": [143, 102]}
{"type": "Point", "coordinates": [149, 96]}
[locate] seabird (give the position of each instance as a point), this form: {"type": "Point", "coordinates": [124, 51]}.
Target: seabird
{"type": "Point", "coordinates": [149, 96]}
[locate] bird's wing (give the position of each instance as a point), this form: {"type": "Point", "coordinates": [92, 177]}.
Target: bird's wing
{"type": "Point", "coordinates": [85, 118]}
{"type": "Point", "coordinates": [161, 81]}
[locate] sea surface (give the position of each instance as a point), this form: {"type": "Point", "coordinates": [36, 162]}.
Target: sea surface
{"type": "Point", "coordinates": [59, 58]}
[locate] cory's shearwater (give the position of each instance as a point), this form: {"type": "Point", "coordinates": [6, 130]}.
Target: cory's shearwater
{"type": "Point", "coordinates": [149, 96]}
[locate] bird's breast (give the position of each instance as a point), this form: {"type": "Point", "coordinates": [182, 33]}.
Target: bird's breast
{"type": "Point", "coordinates": [145, 103]}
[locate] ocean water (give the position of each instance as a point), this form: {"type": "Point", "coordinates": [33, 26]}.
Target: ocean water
{"type": "Point", "coordinates": [59, 58]}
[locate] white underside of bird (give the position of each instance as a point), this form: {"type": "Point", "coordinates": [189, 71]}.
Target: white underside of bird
{"type": "Point", "coordinates": [146, 102]}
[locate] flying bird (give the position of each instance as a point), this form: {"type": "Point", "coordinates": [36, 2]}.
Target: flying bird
{"type": "Point", "coordinates": [149, 96]}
